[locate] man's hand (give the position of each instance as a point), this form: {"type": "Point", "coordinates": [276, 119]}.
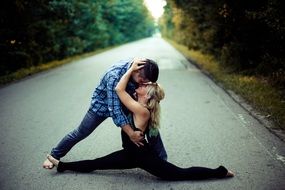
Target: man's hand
{"type": "Point", "coordinates": [136, 137]}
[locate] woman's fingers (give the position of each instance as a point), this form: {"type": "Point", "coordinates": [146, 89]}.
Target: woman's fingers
{"type": "Point", "coordinates": [138, 63]}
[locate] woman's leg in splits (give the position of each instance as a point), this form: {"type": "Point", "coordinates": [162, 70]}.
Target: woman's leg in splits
{"type": "Point", "coordinates": [168, 171]}
{"type": "Point", "coordinates": [115, 160]}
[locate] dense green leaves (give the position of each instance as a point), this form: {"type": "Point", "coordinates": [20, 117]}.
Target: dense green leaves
{"type": "Point", "coordinates": [246, 36]}
{"type": "Point", "coordinates": [34, 32]}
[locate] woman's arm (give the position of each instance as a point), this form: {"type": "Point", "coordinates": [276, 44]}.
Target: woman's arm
{"type": "Point", "coordinates": [140, 113]}
{"type": "Point", "coordinates": [125, 98]}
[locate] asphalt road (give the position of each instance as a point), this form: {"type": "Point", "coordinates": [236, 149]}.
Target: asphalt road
{"type": "Point", "coordinates": [201, 126]}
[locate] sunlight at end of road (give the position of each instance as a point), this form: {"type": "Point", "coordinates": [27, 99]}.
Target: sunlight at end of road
{"type": "Point", "coordinates": [155, 7]}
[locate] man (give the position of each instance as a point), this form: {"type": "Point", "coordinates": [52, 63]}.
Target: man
{"type": "Point", "coordinates": [105, 103]}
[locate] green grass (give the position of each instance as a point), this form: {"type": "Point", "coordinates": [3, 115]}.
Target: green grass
{"type": "Point", "coordinates": [24, 72]}
{"type": "Point", "coordinates": [257, 91]}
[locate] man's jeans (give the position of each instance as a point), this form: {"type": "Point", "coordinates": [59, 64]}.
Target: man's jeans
{"type": "Point", "coordinates": [87, 126]}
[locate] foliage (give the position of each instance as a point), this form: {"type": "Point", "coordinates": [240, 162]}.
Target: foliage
{"type": "Point", "coordinates": [245, 36]}
{"type": "Point", "coordinates": [38, 31]}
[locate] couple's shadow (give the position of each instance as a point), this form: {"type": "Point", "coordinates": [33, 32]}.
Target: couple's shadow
{"type": "Point", "coordinates": [136, 175]}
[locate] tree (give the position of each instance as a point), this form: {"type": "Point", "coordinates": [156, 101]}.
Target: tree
{"type": "Point", "coordinates": [38, 31]}
{"type": "Point", "coordinates": [246, 36]}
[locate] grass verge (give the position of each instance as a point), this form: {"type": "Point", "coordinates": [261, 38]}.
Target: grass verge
{"type": "Point", "coordinates": [255, 90]}
{"type": "Point", "coordinates": [24, 72]}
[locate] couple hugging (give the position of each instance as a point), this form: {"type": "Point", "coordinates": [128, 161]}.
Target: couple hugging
{"type": "Point", "coordinates": [129, 93]}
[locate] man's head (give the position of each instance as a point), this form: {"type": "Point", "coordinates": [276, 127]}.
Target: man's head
{"type": "Point", "coordinates": [149, 72]}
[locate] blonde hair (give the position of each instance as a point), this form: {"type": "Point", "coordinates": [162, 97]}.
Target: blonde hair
{"type": "Point", "coordinates": [155, 94]}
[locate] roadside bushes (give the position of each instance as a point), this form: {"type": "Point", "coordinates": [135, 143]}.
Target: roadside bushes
{"type": "Point", "coordinates": [245, 36]}
{"type": "Point", "coordinates": [39, 31]}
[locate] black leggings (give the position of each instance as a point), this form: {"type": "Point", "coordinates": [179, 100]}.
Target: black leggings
{"type": "Point", "coordinates": [143, 157]}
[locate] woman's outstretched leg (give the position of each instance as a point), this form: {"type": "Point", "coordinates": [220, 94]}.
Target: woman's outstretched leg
{"type": "Point", "coordinates": [115, 160]}
{"type": "Point", "coordinates": [168, 171]}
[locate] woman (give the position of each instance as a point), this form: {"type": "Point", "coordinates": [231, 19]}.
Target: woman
{"type": "Point", "coordinates": [145, 117]}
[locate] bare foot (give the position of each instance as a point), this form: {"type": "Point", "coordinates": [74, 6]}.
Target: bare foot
{"type": "Point", "coordinates": [230, 174]}
{"type": "Point", "coordinates": [47, 164]}
{"type": "Point", "coordinates": [53, 160]}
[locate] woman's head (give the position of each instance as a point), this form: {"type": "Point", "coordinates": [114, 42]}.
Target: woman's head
{"type": "Point", "coordinates": [155, 94]}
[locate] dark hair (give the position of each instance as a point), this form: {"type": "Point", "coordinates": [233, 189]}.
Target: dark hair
{"type": "Point", "coordinates": [151, 70]}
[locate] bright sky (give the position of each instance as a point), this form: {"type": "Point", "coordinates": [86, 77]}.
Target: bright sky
{"type": "Point", "coordinates": [155, 7]}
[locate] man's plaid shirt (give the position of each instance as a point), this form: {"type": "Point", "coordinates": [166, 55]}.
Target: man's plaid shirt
{"type": "Point", "coordinates": [105, 101]}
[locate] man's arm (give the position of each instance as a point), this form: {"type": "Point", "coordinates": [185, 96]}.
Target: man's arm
{"type": "Point", "coordinates": [117, 114]}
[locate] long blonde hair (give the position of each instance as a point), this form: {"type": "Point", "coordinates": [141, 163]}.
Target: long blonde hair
{"type": "Point", "coordinates": [155, 94]}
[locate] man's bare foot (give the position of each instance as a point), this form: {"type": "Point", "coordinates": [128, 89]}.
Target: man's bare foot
{"type": "Point", "coordinates": [53, 160]}
{"type": "Point", "coordinates": [47, 164]}
{"type": "Point", "coordinates": [230, 174]}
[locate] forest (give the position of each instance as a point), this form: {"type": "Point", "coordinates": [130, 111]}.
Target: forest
{"type": "Point", "coordinates": [38, 31]}
{"type": "Point", "coordinates": [245, 36]}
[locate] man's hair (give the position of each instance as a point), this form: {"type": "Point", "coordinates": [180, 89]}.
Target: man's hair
{"type": "Point", "coordinates": [150, 70]}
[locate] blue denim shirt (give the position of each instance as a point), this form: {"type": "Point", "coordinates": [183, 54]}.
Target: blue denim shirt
{"type": "Point", "coordinates": [105, 101]}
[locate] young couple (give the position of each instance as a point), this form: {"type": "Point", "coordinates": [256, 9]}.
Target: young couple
{"type": "Point", "coordinates": [128, 93]}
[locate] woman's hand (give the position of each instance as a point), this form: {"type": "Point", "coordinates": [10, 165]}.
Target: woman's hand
{"type": "Point", "coordinates": [137, 64]}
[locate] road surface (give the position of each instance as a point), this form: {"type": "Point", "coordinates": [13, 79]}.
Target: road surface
{"type": "Point", "coordinates": [201, 126]}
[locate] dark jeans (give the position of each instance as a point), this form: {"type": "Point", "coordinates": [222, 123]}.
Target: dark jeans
{"type": "Point", "coordinates": [144, 158]}
{"type": "Point", "coordinates": [87, 126]}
